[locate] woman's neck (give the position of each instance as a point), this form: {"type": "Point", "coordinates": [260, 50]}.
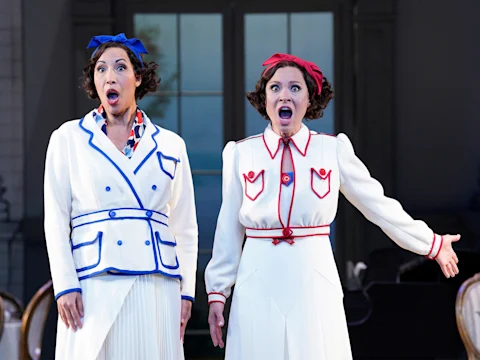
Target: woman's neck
{"type": "Point", "coordinates": [286, 134]}
{"type": "Point", "coordinates": [123, 119]}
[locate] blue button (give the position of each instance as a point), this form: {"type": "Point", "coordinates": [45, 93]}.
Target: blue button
{"type": "Point", "coordinates": [154, 187]}
{"type": "Point", "coordinates": [107, 188]}
{"type": "Point", "coordinates": [147, 242]}
{"type": "Point", "coordinates": [112, 214]}
{"type": "Point", "coordinates": [149, 213]}
{"type": "Point", "coordinates": [119, 242]}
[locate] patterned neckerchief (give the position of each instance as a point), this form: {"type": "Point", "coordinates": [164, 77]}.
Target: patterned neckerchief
{"type": "Point", "coordinates": [138, 128]}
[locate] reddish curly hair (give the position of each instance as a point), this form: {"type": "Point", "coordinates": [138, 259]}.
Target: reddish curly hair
{"type": "Point", "coordinates": [318, 103]}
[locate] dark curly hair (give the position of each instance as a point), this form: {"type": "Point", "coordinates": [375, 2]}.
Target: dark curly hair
{"type": "Point", "coordinates": [318, 103]}
{"type": "Point", "coordinates": [150, 81]}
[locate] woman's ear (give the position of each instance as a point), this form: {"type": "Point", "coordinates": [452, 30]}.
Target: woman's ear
{"type": "Point", "coordinates": [138, 80]}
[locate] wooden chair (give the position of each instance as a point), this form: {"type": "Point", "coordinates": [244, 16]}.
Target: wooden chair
{"type": "Point", "coordinates": [12, 305]}
{"type": "Point", "coordinates": [467, 311]}
{"type": "Point", "coordinates": [33, 322]}
{"type": "Point", "coordinates": [2, 319]}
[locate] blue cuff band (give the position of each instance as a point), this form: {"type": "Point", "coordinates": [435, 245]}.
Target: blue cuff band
{"type": "Point", "coordinates": [67, 291]}
{"type": "Point", "coordinates": [184, 297]}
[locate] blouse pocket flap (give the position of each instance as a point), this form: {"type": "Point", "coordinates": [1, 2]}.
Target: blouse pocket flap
{"type": "Point", "coordinates": [254, 184]}
{"type": "Point", "coordinates": [320, 182]}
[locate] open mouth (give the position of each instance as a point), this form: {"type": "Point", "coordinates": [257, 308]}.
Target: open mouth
{"type": "Point", "coordinates": [285, 112]}
{"type": "Point", "coordinates": [112, 96]}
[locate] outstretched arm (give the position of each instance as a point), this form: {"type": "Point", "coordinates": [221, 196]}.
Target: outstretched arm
{"type": "Point", "coordinates": [367, 195]}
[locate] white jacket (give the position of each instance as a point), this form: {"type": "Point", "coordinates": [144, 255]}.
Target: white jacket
{"type": "Point", "coordinates": [106, 213]}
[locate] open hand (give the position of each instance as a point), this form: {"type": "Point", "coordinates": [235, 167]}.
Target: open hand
{"type": "Point", "coordinates": [446, 258]}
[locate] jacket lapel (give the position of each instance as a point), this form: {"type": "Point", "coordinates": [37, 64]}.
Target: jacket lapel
{"type": "Point", "coordinates": [146, 147]}
{"type": "Point", "coordinates": [105, 148]}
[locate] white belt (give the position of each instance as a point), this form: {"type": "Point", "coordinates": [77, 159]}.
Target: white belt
{"type": "Point", "coordinates": [117, 214]}
{"type": "Point", "coordinates": [288, 232]}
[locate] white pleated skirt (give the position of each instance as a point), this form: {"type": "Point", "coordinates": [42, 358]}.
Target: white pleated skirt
{"type": "Point", "coordinates": [126, 318]}
{"type": "Point", "coordinates": [148, 325]}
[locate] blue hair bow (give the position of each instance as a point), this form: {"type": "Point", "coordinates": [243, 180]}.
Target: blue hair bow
{"type": "Point", "coordinates": [133, 44]}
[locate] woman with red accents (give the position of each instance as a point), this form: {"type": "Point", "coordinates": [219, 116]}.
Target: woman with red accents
{"type": "Point", "coordinates": [120, 221]}
{"type": "Point", "coordinates": [281, 189]}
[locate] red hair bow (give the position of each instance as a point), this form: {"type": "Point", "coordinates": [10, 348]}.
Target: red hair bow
{"type": "Point", "coordinates": [312, 69]}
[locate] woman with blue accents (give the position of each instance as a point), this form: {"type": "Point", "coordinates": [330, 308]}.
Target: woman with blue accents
{"type": "Point", "coordinates": [281, 189]}
{"type": "Point", "coordinates": [120, 221]}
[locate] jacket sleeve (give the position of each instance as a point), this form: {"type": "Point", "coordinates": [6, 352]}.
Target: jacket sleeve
{"type": "Point", "coordinates": [367, 195]}
{"type": "Point", "coordinates": [183, 223]}
{"type": "Point", "coordinates": [221, 271]}
{"type": "Point", "coordinates": [57, 207]}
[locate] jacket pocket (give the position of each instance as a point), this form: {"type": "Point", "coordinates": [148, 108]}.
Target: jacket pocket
{"type": "Point", "coordinates": [87, 254]}
{"type": "Point", "coordinates": [254, 184]}
{"type": "Point", "coordinates": [168, 164]}
{"type": "Point", "coordinates": [320, 182]}
{"type": "Point", "coordinates": [167, 252]}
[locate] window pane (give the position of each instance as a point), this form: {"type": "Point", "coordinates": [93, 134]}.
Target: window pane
{"type": "Point", "coordinates": [158, 32]}
{"type": "Point", "coordinates": [201, 52]}
{"type": "Point", "coordinates": [208, 199]}
{"type": "Point", "coordinates": [202, 130]}
{"type": "Point", "coordinates": [312, 39]}
{"type": "Point", "coordinates": [265, 35]}
{"type": "Point", "coordinates": [255, 123]}
{"type": "Point", "coordinates": [162, 110]}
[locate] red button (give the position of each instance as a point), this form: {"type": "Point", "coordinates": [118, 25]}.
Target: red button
{"type": "Point", "coordinates": [251, 174]}
{"type": "Point", "coordinates": [322, 172]}
{"type": "Point", "coordinates": [287, 232]}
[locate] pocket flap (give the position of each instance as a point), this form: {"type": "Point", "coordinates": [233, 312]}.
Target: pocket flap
{"type": "Point", "coordinates": [168, 164]}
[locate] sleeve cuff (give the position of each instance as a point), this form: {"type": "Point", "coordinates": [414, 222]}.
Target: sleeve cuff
{"type": "Point", "coordinates": [216, 297]}
{"type": "Point", "coordinates": [436, 247]}
{"type": "Point", "coordinates": [185, 297]}
{"type": "Point", "coordinates": [67, 291]}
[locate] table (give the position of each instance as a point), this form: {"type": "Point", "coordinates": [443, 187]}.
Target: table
{"type": "Point", "coordinates": [10, 341]}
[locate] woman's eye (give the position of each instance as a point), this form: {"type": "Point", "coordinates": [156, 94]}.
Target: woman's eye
{"type": "Point", "coordinates": [295, 88]}
{"type": "Point", "coordinates": [274, 88]}
{"type": "Point", "coordinates": [121, 67]}
{"type": "Point", "coordinates": [100, 69]}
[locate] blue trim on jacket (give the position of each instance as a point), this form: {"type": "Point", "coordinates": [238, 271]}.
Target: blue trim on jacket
{"type": "Point", "coordinates": [160, 156]}
{"type": "Point", "coordinates": [151, 152]}
{"type": "Point", "coordinates": [67, 292]}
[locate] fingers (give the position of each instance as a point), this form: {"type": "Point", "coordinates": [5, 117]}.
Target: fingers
{"type": "Point", "coordinates": [213, 334]}
{"type": "Point", "coordinates": [219, 337]}
{"type": "Point", "coordinates": [445, 271]}
{"type": "Point", "coordinates": [183, 326]}
{"type": "Point", "coordinates": [456, 237]}
{"type": "Point", "coordinates": [186, 313]}
{"type": "Point", "coordinates": [76, 315]}
{"type": "Point", "coordinates": [451, 269]}
{"type": "Point", "coordinates": [80, 305]}
{"type": "Point", "coordinates": [454, 267]}
{"type": "Point", "coordinates": [455, 258]}
{"type": "Point", "coordinates": [61, 313]}
{"type": "Point", "coordinates": [70, 320]}
{"type": "Point", "coordinates": [216, 322]}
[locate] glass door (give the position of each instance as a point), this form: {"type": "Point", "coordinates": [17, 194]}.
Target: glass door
{"type": "Point", "coordinates": [208, 61]}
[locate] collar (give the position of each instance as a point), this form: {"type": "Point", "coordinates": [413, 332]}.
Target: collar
{"type": "Point", "coordinates": [300, 140]}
